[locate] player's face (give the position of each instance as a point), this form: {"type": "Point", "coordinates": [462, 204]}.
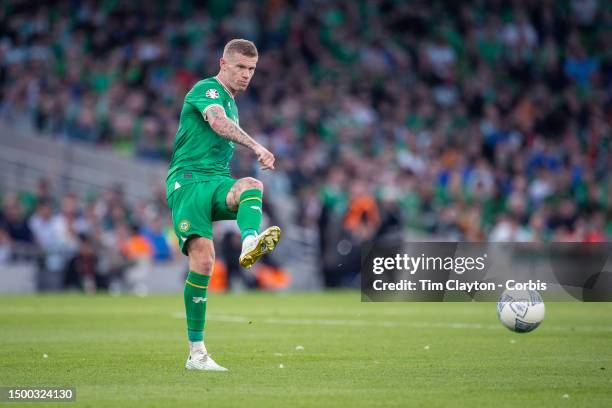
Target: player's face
{"type": "Point", "coordinates": [238, 70]}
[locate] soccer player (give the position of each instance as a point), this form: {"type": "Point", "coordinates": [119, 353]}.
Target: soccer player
{"type": "Point", "coordinates": [200, 189]}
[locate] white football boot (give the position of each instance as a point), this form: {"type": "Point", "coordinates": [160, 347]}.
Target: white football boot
{"type": "Point", "coordinates": [256, 246]}
{"type": "Point", "coordinates": [201, 360]}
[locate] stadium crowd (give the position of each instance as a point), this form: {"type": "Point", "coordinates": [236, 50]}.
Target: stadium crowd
{"type": "Point", "coordinates": [85, 244]}
{"type": "Point", "coordinates": [471, 121]}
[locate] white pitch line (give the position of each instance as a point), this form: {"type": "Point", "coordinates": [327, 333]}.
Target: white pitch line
{"type": "Point", "coordinates": [379, 323]}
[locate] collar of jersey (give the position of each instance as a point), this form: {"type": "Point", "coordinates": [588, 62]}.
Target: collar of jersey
{"type": "Point", "coordinates": [224, 87]}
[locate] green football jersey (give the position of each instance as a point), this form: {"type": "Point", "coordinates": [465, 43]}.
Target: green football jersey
{"type": "Point", "coordinates": [199, 153]}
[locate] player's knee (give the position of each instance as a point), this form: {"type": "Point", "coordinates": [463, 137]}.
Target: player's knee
{"type": "Point", "coordinates": [202, 264]}
{"type": "Point", "coordinates": [250, 183]}
{"type": "Point", "coordinates": [201, 259]}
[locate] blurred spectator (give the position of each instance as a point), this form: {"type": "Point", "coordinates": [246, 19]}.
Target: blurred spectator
{"type": "Point", "coordinates": [133, 244]}
{"type": "Point", "coordinates": [82, 269]}
{"type": "Point", "coordinates": [13, 219]}
{"type": "Point", "coordinates": [5, 247]}
{"type": "Point", "coordinates": [138, 252]}
{"type": "Point", "coordinates": [230, 250]}
{"type": "Point", "coordinates": [52, 237]}
{"type": "Point", "coordinates": [154, 232]}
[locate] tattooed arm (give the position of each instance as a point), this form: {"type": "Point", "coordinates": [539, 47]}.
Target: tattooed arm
{"type": "Point", "coordinates": [227, 129]}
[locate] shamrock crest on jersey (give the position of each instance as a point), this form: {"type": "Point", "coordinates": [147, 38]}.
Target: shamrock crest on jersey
{"type": "Point", "coordinates": [184, 226]}
{"type": "Point", "coordinates": [212, 93]}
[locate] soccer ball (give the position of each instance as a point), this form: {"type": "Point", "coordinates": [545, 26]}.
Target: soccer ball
{"type": "Point", "coordinates": [520, 310]}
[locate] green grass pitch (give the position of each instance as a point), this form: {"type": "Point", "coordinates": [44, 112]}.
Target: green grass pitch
{"type": "Point", "coordinates": [130, 351]}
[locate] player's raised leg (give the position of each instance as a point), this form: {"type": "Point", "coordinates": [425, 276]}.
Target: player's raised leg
{"type": "Point", "coordinates": [201, 261]}
{"type": "Point", "coordinates": [246, 197]}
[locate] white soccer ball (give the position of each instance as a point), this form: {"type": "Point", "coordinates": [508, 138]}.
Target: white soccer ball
{"type": "Point", "coordinates": [520, 310]}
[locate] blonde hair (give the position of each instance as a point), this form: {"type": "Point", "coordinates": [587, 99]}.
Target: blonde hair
{"type": "Point", "coordinates": [240, 46]}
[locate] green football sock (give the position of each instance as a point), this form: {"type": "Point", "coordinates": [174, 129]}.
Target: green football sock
{"type": "Point", "coordinates": [196, 287]}
{"type": "Point", "coordinates": [249, 212]}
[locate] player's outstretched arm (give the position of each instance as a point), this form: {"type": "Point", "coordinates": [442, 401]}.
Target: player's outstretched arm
{"type": "Point", "coordinates": [226, 128]}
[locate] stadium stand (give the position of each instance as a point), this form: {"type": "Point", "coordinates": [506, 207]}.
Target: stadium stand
{"type": "Point", "coordinates": [463, 121]}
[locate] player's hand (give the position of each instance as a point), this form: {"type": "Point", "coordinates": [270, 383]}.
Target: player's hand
{"type": "Point", "coordinates": [265, 158]}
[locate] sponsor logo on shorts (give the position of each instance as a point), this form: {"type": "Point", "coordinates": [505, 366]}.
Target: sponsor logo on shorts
{"type": "Point", "coordinates": [184, 226]}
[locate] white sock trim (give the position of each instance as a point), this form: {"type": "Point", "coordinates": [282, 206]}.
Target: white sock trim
{"type": "Point", "coordinates": [196, 346]}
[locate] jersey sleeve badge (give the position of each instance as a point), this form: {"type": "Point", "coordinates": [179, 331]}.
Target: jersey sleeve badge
{"type": "Point", "coordinates": [212, 93]}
